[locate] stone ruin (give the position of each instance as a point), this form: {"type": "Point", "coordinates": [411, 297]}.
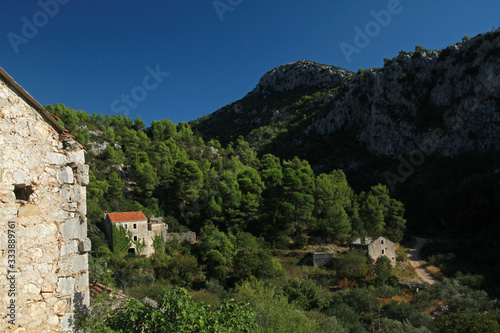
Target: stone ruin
{"type": "Point", "coordinates": [43, 228]}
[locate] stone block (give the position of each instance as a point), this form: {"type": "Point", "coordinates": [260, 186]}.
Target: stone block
{"type": "Point", "coordinates": [84, 245]}
{"type": "Point", "coordinates": [65, 176]}
{"type": "Point", "coordinates": [75, 157]}
{"type": "Point", "coordinates": [61, 307]}
{"type": "Point", "coordinates": [53, 320]}
{"type": "Point", "coordinates": [8, 213]}
{"type": "Point", "coordinates": [80, 301]}
{"type": "Point", "coordinates": [82, 209]}
{"type": "Point", "coordinates": [82, 174]}
{"type": "Point", "coordinates": [72, 229]}
{"type": "Point", "coordinates": [83, 282]}
{"type": "Point", "coordinates": [76, 193]}
{"type": "Point", "coordinates": [79, 263]}
{"type": "Point", "coordinates": [67, 322]}
{"type": "Point", "coordinates": [70, 206]}
{"type": "Point", "coordinates": [21, 178]}
{"type": "Point", "coordinates": [66, 194]}
{"type": "Point", "coordinates": [69, 248]}
{"type": "Point", "coordinates": [47, 230]}
{"type": "Point", "coordinates": [56, 159]}
{"type": "Point", "coordinates": [66, 285]}
{"type": "Point", "coordinates": [28, 210]}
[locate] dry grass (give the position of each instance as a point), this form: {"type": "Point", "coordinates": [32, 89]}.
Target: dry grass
{"type": "Point", "coordinates": [435, 272]}
{"type": "Point", "coordinates": [405, 272]}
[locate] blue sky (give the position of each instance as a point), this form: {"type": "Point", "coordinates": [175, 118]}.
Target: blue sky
{"type": "Point", "coordinates": [90, 55]}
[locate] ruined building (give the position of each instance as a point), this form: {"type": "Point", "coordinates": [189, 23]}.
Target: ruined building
{"type": "Point", "coordinates": [377, 248]}
{"type": "Point", "coordinates": [43, 228]}
{"type": "Point", "coordinates": [142, 230]}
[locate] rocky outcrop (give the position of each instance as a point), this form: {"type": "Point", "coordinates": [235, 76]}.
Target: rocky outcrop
{"type": "Point", "coordinates": [445, 102]}
{"type": "Point", "coordinates": [302, 73]}
{"type": "Point", "coordinates": [425, 101]}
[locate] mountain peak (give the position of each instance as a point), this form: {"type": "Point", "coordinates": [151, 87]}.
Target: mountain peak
{"type": "Point", "coordinates": [303, 73]}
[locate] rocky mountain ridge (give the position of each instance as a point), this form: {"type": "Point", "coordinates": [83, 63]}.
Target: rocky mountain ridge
{"type": "Point", "coordinates": [443, 101]}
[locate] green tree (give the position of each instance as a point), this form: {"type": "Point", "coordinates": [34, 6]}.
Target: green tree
{"type": "Point", "coordinates": [371, 213]}
{"type": "Point", "coordinates": [256, 263]}
{"type": "Point", "coordinates": [122, 240]}
{"type": "Point", "coordinates": [383, 269]}
{"type": "Point", "coordinates": [467, 322]}
{"type": "Point", "coordinates": [178, 312]}
{"type": "Point", "coordinates": [298, 202]}
{"type": "Point", "coordinates": [353, 265]}
{"type": "Point", "coordinates": [159, 244]}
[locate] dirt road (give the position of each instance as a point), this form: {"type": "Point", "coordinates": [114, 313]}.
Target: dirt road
{"type": "Point", "coordinates": [414, 259]}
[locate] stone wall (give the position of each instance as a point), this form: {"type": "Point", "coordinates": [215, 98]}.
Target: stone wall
{"type": "Point", "coordinates": [43, 228]}
{"type": "Point", "coordinates": [382, 247]}
{"type": "Point", "coordinates": [143, 231]}
{"type": "Point", "coordinates": [318, 259]}
{"type": "Point", "coordinates": [189, 237]}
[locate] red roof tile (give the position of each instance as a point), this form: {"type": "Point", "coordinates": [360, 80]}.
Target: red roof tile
{"type": "Point", "coordinates": [127, 217]}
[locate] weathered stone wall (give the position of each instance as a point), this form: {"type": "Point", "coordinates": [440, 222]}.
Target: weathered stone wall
{"type": "Point", "coordinates": [44, 229]}
{"type": "Point", "coordinates": [189, 237]}
{"type": "Point", "coordinates": [318, 259]}
{"type": "Point", "coordinates": [382, 247]}
{"type": "Point", "coordinates": [144, 231]}
{"type": "Point", "coordinates": [154, 229]}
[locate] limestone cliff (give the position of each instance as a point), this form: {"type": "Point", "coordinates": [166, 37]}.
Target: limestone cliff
{"type": "Point", "coordinates": [443, 101]}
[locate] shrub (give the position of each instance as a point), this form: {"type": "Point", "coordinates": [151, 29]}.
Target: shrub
{"type": "Point", "coordinates": [301, 241]}
{"type": "Point", "coordinates": [465, 322]}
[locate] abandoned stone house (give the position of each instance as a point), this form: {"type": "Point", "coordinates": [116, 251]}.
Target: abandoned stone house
{"type": "Point", "coordinates": [43, 228]}
{"type": "Point", "coordinates": [142, 229]}
{"type": "Point", "coordinates": [377, 248]}
{"type": "Point", "coordinates": [318, 259]}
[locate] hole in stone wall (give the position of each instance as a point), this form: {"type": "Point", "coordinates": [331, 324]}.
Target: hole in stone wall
{"type": "Point", "coordinates": [23, 192]}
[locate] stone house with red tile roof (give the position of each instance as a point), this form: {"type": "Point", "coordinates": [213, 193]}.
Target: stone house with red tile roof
{"type": "Point", "coordinates": [141, 229]}
{"type": "Point", "coordinates": [43, 225]}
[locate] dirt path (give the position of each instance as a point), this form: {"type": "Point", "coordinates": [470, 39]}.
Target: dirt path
{"type": "Point", "coordinates": [414, 259]}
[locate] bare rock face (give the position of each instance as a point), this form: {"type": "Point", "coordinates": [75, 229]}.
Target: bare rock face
{"type": "Point", "coordinates": [419, 103]}
{"type": "Point", "coordinates": [302, 73]}
{"type": "Point", "coordinates": [445, 102]}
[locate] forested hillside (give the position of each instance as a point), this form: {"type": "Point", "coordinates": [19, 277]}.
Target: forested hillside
{"type": "Point", "coordinates": [166, 170]}
{"type": "Point", "coordinates": [254, 216]}
{"type": "Point", "coordinates": [426, 125]}
{"type": "Point", "coordinates": [312, 158]}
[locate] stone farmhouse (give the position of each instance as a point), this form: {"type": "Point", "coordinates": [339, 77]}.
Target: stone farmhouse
{"type": "Point", "coordinates": [377, 248]}
{"type": "Point", "coordinates": [142, 229]}
{"type": "Point", "coordinates": [43, 227]}
{"type": "Point", "coordinates": [139, 227]}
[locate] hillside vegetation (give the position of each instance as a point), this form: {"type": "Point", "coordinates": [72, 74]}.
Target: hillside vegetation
{"type": "Point", "coordinates": [314, 155]}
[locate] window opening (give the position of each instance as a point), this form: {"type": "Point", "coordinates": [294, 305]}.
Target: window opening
{"type": "Point", "coordinates": [23, 192]}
